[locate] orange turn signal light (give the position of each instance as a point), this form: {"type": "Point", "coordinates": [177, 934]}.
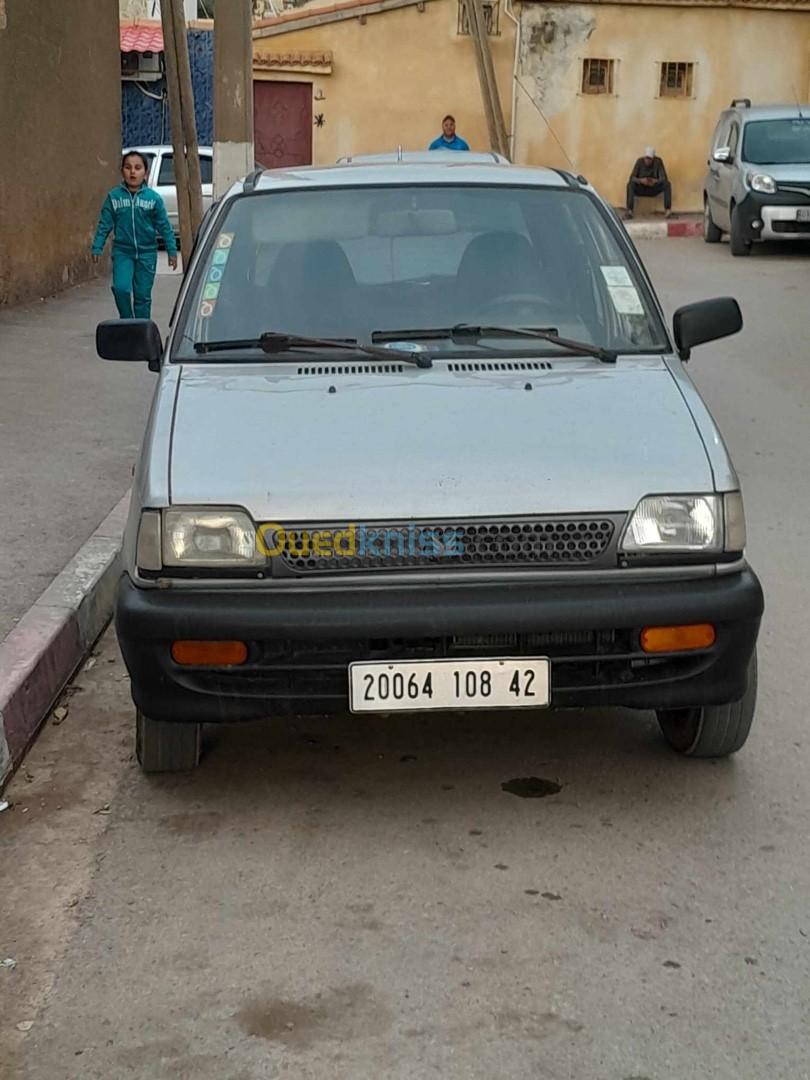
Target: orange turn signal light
{"type": "Point", "coordinates": [216, 653]}
{"type": "Point", "coordinates": [656, 639]}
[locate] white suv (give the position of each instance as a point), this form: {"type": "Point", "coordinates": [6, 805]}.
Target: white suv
{"type": "Point", "coordinates": [161, 176]}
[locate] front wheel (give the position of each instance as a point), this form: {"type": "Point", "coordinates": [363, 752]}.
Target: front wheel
{"type": "Point", "coordinates": [712, 731]}
{"type": "Point", "coordinates": [737, 242]}
{"type": "Point", "coordinates": [711, 233]}
{"type": "Point", "coordinates": [166, 747]}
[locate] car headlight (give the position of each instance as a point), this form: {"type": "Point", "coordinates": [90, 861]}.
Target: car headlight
{"type": "Point", "coordinates": [672, 524]}
{"type": "Point", "coordinates": [762, 182]}
{"type": "Point", "coordinates": [210, 538]}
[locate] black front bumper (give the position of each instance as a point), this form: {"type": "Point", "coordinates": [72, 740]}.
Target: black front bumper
{"type": "Point", "coordinates": [301, 641]}
{"type": "Point", "coordinates": [750, 209]}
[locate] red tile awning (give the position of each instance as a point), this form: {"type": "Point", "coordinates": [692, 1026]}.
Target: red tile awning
{"type": "Point", "coordinates": [142, 37]}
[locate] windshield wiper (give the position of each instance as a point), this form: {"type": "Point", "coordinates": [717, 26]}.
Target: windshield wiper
{"type": "Point", "coordinates": [463, 334]}
{"type": "Point", "coordinates": [274, 341]}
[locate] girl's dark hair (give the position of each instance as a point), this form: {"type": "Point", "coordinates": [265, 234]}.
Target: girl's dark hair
{"type": "Point", "coordinates": [136, 153]}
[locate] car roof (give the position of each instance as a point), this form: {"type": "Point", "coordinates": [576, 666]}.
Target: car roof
{"type": "Point", "coordinates": [161, 147]}
{"type": "Point", "coordinates": [424, 157]}
{"type": "Point", "coordinates": [771, 112]}
{"type": "Point", "coordinates": [452, 167]}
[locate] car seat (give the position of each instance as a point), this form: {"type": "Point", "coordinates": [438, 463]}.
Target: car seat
{"type": "Point", "coordinates": [494, 265]}
{"type": "Point", "coordinates": [311, 290]}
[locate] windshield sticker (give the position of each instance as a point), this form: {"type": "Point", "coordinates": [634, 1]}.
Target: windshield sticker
{"type": "Point", "coordinates": [616, 275]}
{"type": "Point", "coordinates": [210, 292]}
{"type": "Point", "coordinates": [225, 240]}
{"type": "Point", "coordinates": [215, 273]}
{"type": "Point", "coordinates": [405, 346]}
{"type": "Point", "coordinates": [626, 300]}
{"type": "Point", "coordinates": [207, 308]}
{"type": "Point", "coordinates": [220, 256]}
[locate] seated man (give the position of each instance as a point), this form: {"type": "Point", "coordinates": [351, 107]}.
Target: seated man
{"type": "Point", "coordinates": [649, 178]}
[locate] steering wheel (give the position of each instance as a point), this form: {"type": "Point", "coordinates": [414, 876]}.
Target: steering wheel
{"type": "Point", "coordinates": [512, 302]}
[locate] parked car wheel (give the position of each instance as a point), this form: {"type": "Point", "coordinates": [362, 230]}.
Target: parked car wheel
{"type": "Point", "coordinates": [711, 233]}
{"type": "Point", "coordinates": [712, 731]}
{"type": "Point", "coordinates": [166, 747]}
{"type": "Point", "coordinates": [739, 245]}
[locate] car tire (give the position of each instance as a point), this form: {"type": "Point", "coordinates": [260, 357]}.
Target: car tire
{"type": "Point", "coordinates": [711, 233]}
{"type": "Point", "coordinates": [712, 731]}
{"type": "Point", "coordinates": [166, 747]}
{"type": "Point", "coordinates": [739, 245]}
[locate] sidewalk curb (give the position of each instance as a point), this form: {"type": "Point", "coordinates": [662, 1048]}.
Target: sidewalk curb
{"type": "Point", "coordinates": [51, 640]}
{"type": "Point", "coordinates": [661, 230]}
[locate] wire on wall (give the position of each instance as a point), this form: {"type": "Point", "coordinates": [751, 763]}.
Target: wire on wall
{"type": "Point", "coordinates": [548, 125]}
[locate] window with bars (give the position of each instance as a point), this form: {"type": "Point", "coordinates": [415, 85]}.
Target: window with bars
{"type": "Point", "coordinates": [492, 17]}
{"type": "Point", "coordinates": [677, 79]}
{"type": "Point", "coordinates": [597, 76]}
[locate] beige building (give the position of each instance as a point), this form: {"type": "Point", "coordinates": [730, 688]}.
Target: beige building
{"type": "Point", "coordinates": [584, 86]}
{"type": "Point", "coordinates": [60, 139]}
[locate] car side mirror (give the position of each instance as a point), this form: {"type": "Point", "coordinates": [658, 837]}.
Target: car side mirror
{"type": "Point", "coordinates": [130, 339]}
{"type": "Point", "coordinates": [723, 154]}
{"type": "Point", "coordinates": [705, 321]}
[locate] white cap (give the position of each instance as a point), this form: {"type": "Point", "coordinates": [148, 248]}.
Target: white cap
{"type": "Point", "coordinates": [649, 151]}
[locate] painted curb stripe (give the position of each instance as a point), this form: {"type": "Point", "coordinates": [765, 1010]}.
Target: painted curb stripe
{"type": "Point", "coordinates": [662, 230]}
{"type": "Point", "coordinates": [42, 652]}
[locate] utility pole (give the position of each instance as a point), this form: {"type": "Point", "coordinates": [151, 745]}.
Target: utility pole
{"type": "Point", "coordinates": [184, 127]}
{"type": "Point", "coordinates": [233, 93]}
{"type": "Point", "coordinates": [499, 140]}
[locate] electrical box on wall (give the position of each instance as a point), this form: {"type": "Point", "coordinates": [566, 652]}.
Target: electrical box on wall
{"type": "Point", "coordinates": [140, 67]}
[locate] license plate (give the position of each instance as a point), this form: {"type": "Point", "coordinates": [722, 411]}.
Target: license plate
{"type": "Point", "coordinates": [405, 685]}
{"type": "Point", "coordinates": [803, 213]}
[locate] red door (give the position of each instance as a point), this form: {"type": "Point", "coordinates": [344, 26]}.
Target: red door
{"type": "Point", "coordinates": [282, 123]}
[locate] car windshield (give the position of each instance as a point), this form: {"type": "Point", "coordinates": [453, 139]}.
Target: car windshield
{"type": "Point", "coordinates": [777, 142]}
{"type": "Point", "coordinates": [358, 263]}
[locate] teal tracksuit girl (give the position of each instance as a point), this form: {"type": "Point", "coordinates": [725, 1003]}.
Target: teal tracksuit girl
{"type": "Point", "coordinates": [136, 218]}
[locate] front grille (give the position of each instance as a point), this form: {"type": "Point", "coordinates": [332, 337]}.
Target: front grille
{"type": "Point", "coordinates": [535, 542]}
{"type": "Point", "coordinates": [801, 188]}
{"type": "Point", "coordinates": [791, 226]}
{"type": "Point", "coordinates": [290, 670]}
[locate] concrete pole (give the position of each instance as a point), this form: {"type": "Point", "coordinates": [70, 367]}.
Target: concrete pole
{"type": "Point", "coordinates": [233, 93]}
{"type": "Point", "coordinates": [189, 119]}
{"type": "Point", "coordinates": [181, 179]}
{"type": "Point", "coordinates": [495, 97]}
{"type": "Point", "coordinates": [486, 76]}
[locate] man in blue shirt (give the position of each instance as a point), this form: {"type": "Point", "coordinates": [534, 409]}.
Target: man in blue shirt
{"type": "Point", "coordinates": [448, 140]}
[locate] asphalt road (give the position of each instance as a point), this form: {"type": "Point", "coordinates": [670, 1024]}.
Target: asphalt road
{"type": "Point", "coordinates": [361, 898]}
{"type": "Point", "coordinates": [70, 429]}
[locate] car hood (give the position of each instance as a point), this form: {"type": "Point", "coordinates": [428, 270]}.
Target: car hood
{"type": "Point", "coordinates": [799, 174]}
{"type": "Point", "coordinates": [290, 446]}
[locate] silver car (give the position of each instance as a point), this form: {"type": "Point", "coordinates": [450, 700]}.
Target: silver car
{"type": "Point", "coordinates": [421, 441]}
{"type": "Point", "coordinates": [758, 183]}
{"type": "Point", "coordinates": [161, 176]}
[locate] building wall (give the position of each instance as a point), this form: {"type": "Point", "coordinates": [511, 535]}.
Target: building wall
{"type": "Point", "coordinates": [60, 130]}
{"type": "Point", "coordinates": [393, 79]}
{"type": "Point", "coordinates": [600, 135]}
{"type": "Point", "coordinates": [145, 121]}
